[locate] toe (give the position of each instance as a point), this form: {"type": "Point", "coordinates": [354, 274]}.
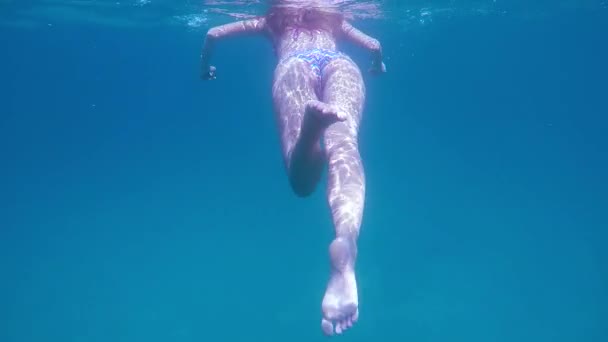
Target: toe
{"type": "Point", "coordinates": [327, 327]}
{"type": "Point", "coordinates": [344, 324]}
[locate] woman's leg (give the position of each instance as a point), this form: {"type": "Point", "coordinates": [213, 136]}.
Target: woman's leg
{"type": "Point", "coordinates": [344, 90]}
{"type": "Point", "coordinates": [301, 120]}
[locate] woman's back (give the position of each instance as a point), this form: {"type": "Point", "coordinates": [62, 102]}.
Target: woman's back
{"type": "Point", "coordinates": [296, 29]}
{"type": "Point", "coordinates": [299, 40]}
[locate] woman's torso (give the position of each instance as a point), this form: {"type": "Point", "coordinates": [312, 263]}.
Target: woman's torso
{"type": "Point", "coordinates": [296, 40]}
{"type": "Point", "coordinates": [301, 28]}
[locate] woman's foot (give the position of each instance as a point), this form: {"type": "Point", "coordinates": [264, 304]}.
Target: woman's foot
{"type": "Point", "coordinates": [340, 303]}
{"type": "Point", "coordinates": [319, 116]}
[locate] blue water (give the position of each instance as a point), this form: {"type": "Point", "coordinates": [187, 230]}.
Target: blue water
{"type": "Point", "coordinates": [138, 203]}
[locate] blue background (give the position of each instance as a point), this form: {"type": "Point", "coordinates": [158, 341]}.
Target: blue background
{"type": "Point", "coordinates": [138, 203]}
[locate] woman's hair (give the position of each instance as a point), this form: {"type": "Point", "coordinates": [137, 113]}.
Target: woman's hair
{"type": "Point", "coordinates": [283, 15]}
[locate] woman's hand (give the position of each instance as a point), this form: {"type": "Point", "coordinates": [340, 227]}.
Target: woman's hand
{"type": "Point", "coordinates": [208, 74]}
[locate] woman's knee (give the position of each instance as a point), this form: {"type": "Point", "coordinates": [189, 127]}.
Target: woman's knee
{"type": "Point", "coordinates": [303, 185]}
